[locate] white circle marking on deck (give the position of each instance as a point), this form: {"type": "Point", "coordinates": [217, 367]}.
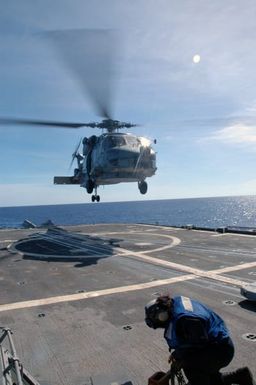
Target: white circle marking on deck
{"type": "Point", "coordinates": [192, 273]}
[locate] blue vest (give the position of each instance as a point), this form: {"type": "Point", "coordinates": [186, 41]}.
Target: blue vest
{"type": "Point", "coordinates": [216, 329]}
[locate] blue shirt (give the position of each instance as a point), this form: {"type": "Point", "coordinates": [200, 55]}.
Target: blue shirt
{"type": "Point", "coordinates": [193, 324]}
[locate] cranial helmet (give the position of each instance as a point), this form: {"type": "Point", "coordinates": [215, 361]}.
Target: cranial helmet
{"type": "Point", "coordinates": [157, 312]}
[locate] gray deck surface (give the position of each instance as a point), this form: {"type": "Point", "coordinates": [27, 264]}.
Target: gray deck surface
{"type": "Point", "coordinates": [75, 300]}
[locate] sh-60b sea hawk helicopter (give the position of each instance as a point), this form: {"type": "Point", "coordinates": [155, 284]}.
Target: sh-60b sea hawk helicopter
{"type": "Point", "coordinates": [112, 157]}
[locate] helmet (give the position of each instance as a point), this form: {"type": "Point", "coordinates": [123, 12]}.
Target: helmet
{"type": "Point", "coordinates": [157, 313]}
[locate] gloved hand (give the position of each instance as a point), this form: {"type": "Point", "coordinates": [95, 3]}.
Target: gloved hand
{"type": "Point", "coordinates": [172, 357]}
{"type": "Point", "coordinates": [175, 363]}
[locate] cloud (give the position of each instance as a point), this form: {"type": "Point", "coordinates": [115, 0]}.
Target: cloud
{"type": "Point", "coordinates": [251, 108]}
{"type": "Point", "coordinates": [237, 134]}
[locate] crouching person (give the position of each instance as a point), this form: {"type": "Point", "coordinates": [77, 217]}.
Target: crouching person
{"type": "Point", "coordinates": [198, 338]}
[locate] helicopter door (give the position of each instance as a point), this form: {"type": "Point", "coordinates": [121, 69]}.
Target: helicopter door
{"type": "Point", "coordinates": [87, 150]}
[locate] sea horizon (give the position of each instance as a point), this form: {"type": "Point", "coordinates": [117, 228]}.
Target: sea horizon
{"type": "Point", "coordinates": [131, 201]}
{"type": "Point", "coordinates": [201, 212]}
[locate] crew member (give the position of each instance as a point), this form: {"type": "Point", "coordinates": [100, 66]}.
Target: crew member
{"type": "Point", "coordinates": [198, 339]}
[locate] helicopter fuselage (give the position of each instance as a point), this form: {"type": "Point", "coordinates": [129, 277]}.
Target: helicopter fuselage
{"type": "Point", "coordinates": [116, 157]}
{"type": "Point", "coordinates": [112, 158]}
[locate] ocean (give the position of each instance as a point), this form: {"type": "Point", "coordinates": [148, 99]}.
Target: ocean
{"type": "Point", "coordinates": [217, 212]}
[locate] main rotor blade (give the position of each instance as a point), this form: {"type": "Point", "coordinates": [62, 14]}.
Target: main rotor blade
{"type": "Point", "coordinates": [90, 55]}
{"type": "Point", "coordinates": [49, 123]}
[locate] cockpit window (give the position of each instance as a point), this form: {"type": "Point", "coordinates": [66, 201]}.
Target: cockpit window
{"type": "Point", "coordinates": [132, 140]}
{"type": "Point", "coordinates": [114, 141]}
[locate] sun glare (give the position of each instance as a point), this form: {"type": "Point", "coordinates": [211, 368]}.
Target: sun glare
{"type": "Point", "coordinates": [196, 58]}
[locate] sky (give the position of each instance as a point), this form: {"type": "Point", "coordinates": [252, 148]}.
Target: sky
{"type": "Point", "coordinates": [201, 112]}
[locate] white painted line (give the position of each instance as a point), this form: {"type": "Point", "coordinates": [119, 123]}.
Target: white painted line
{"type": "Point", "coordinates": [196, 273]}
{"type": "Point", "coordinates": [218, 235]}
{"type": "Point", "coordinates": [228, 269]}
{"type": "Point", "coordinates": [8, 240]}
{"type": "Point", "coordinates": [92, 294]}
{"type": "Point", "coordinates": [174, 241]}
{"type": "Point", "coordinates": [212, 274]}
{"type": "Point", "coordinates": [193, 273]}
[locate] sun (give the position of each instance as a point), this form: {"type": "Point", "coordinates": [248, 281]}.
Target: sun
{"type": "Point", "coordinates": [196, 58]}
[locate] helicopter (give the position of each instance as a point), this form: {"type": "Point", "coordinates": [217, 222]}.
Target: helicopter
{"type": "Point", "coordinates": [112, 157]}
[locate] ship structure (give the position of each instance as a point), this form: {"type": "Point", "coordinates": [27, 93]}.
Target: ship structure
{"type": "Point", "coordinates": [72, 298]}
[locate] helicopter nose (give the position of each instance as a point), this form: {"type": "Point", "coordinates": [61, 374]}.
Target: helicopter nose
{"type": "Point", "coordinates": [121, 153]}
{"type": "Point", "coordinates": [119, 156]}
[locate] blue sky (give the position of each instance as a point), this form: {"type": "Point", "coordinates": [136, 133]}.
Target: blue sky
{"type": "Point", "coordinates": [203, 115]}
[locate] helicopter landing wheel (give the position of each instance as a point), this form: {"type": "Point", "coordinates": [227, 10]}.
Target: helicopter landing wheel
{"type": "Point", "coordinates": [143, 187]}
{"type": "Point", "coordinates": [95, 198]}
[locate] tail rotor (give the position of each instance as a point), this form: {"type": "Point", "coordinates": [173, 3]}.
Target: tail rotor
{"type": "Point", "coordinates": [75, 154]}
